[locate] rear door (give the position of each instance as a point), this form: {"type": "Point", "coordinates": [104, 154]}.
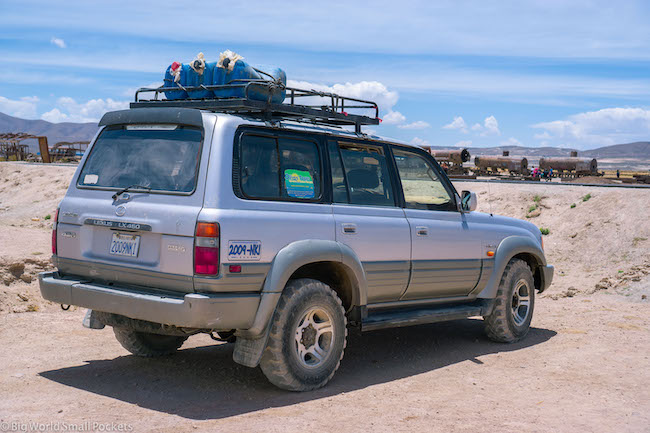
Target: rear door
{"type": "Point", "coordinates": [145, 235]}
{"type": "Point", "coordinates": [367, 217]}
{"type": "Point", "coordinates": [446, 248]}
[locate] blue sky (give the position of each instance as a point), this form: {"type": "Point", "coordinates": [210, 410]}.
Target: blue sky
{"type": "Point", "coordinates": [450, 73]}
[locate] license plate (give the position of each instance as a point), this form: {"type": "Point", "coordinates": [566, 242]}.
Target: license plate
{"type": "Point", "coordinates": [125, 245]}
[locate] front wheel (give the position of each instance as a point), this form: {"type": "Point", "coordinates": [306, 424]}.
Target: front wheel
{"type": "Point", "coordinates": [307, 338]}
{"type": "Point", "coordinates": [514, 304]}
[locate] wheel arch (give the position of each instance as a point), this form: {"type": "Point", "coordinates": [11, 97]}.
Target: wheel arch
{"type": "Point", "coordinates": [520, 247]}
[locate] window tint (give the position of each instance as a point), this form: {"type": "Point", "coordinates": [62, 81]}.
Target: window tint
{"type": "Point", "coordinates": [260, 172]}
{"type": "Point", "coordinates": [160, 159]}
{"type": "Point", "coordinates": [366, 174]}
{"type": "Point", "coordinates": [339, 190]}
{"type": "Point", "coordinates": [422, 187]}
{"type": "Point", "coordinates": [279, 168]}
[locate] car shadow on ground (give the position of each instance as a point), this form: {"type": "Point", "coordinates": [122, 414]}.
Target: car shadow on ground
{"type": "Point", "coordinates": [205, 383]}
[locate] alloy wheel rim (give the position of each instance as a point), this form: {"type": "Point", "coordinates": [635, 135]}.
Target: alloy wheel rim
{"type": "Point", "coordinates": [314, 337]}
{"type": "Point", "coordinates": [520, 302]}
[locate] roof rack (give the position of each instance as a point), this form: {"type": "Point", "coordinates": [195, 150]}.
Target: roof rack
{"type": "Point", "coordinates": [332, 113]}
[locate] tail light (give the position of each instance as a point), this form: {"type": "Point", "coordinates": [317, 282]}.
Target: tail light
{"type": "Point", "coordinates": [206, 249]}
{"type": "Point", "coordinates": [56, 219]}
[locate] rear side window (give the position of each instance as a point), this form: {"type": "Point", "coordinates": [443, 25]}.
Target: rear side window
{"type": "Point", "coordinates": [159, 159]}
{"type": "Point", "coordinates": [366, 175]}
{"type": "Point", "coordinates": [280, 168]}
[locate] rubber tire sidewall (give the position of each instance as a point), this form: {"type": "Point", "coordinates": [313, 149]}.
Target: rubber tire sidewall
{"type": "Point", "coordinates": [500, 324]}
{"type": "Point", "coordinates": [280, 362]}
{"type": "Point", "coordinates": [146, 344]}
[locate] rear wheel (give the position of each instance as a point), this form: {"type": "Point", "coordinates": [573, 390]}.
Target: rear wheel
{"type": "Point", "coordinates": [514, 304]}
{"type": "Point", "coordinates": [307, 338]}
{"type": "Point", "coordinates": [146, 344]}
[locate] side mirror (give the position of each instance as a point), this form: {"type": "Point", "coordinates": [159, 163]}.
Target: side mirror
{"type": "Point", "coordinates": [468, 202]}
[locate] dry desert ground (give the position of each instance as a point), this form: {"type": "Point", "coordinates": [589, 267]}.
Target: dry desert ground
{"type": "Point", "coordinates": [584, 367]}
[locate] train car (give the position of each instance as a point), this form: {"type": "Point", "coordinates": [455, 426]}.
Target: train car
{"type": "Point", "coordinates": [570, 166]}
{"type": "Point", "coordinates": [496, 164]}
{"type": "Point", "coordinates": [451, 160]}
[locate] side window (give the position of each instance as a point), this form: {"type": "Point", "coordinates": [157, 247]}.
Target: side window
{"type": "Point", "coordinates": [339, 189]}
{"type": "Point", "coordinates": [279, 168]}
{"type": "Point", "coordinates": [422, 187]}
{"type": "Point", "coordinates": [366, 174]}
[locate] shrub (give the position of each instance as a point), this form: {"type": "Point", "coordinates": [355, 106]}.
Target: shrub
{"type": "Point", "coordinates": [47, 217]}
{"type": "Point", "coordinates": [573, 205]}
{"type": "Point", "coordinates": [544, 231]}
{"type": "Point", "coordinates": [587, 197]}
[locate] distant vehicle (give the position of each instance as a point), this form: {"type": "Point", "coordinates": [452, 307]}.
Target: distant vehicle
{"type": "Point", "coordinates": [268, 225]}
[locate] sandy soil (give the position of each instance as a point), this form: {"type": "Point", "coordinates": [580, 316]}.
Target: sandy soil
{"type": "Point", "coordinates": [584, 367]}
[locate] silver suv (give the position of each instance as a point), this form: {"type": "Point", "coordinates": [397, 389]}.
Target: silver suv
{"type": "Point", "coordinates": [278, 235]}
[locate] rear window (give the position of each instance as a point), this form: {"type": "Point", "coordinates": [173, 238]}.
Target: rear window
{"type": "Point", "coordinates": [160, 159]}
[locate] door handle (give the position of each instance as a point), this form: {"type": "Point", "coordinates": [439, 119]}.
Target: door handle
{"type": "Point", "coordinates": [422, 231]}
{"type": "Point", "coordinates": [349, 228]}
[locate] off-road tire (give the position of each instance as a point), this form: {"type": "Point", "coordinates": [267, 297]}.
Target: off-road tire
{"type": "Point", "coordinates": [500, 325]}
{"type": "Point", "coordinates": [280, 361]}
{"type": "Point", "coordinates": [148, 345]}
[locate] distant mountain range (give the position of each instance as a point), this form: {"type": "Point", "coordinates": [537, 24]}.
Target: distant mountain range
{"type": "Point", "coordinates": [55, 132]}
{"type": "Point", "coordinates": [68, 131]}
{"type": "Point", "coordinates": [638, 150]}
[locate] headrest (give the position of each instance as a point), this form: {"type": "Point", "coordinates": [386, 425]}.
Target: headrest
{"type": "Point", "coordinates": [362, 178]}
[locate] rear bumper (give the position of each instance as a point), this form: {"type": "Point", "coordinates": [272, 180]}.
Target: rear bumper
{"type": "Point", "coordinates": [547, 277]}
{"type": "Point", "coordinates": [191, 310]}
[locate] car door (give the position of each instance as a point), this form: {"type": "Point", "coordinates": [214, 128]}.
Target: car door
{"type": "Point", "coordinates": [367, 218]}
{"type": "Point", "coordinates": [446, 248]}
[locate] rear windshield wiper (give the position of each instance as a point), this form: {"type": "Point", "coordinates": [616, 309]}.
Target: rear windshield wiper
{"type": "Point", "coordinates": [128, 188]}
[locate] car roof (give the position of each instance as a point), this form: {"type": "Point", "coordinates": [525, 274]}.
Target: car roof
{"type": "Point", "coordinates": [309, 127]}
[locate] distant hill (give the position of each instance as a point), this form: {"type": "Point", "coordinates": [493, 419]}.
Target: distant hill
{"type": "Point", "coordinates": [640, 149]}
{"type": "Point", "coordinates": [55, 132]}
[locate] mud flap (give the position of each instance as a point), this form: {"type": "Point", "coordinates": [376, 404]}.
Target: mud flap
{"type": "Point", "coordinates": [91, 321]}
{"type": "Point", "coordinates": [248, 352]}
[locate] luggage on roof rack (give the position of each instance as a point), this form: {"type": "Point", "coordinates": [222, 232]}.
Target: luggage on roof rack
{"type": "Point", "coordinates": [333, 112]}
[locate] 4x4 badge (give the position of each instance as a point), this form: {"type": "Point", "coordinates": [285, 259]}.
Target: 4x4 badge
{"type": "Point", "coordinates": [120, 211]}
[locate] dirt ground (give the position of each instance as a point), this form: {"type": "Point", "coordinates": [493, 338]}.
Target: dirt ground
{"type": "Point", "coordinates": [584, 366]}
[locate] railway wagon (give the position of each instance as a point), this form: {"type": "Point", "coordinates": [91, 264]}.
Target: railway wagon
{"type": "Point", "coordinates": [570, 166]}
{"type": "Point", "coordinates": [492, 164]}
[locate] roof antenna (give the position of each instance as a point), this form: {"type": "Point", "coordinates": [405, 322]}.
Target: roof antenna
{"type": "Point", "coordinates": [489, 197]}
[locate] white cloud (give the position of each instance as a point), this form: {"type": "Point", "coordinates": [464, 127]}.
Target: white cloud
{"type": "Point", "coordinates": [419, 124]}
{"type": "Point", "coordinates": [420, 142]}
{"type": "Point", "coordinates": [69, 110]}
{"type": "Point", "coordinates": [463, 143]}
{"type": "Point", "coordinates": [599, 128]}
{"type": "Point", "coordinates": [477, 127]}
{"type": "Point", "coordinates": [130, 91]}
{"type": "Point", "coordinates": [491, 126]}
{"type": "Point", "coordinates": [393, 118]}
{"type": "Point", "coordinates": [543, 136]}
{"type": "Point", "coordinates": [58, 42]}
{"type": "Point", "coordinates": [458, 123]}
{"type": "Point", "coordinates": [24, 107]}
{"type": "Point", "coordinates": [366, 90]}
{"type": "Point", "coordinates": [512, 141]}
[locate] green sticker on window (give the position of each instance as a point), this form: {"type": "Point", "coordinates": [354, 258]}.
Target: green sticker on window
{"type": "Point", "coordinates": [299, 183]}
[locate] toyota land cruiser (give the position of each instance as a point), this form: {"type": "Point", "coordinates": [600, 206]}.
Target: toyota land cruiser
{"type": "Point", "coordinates": [272, 226]}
